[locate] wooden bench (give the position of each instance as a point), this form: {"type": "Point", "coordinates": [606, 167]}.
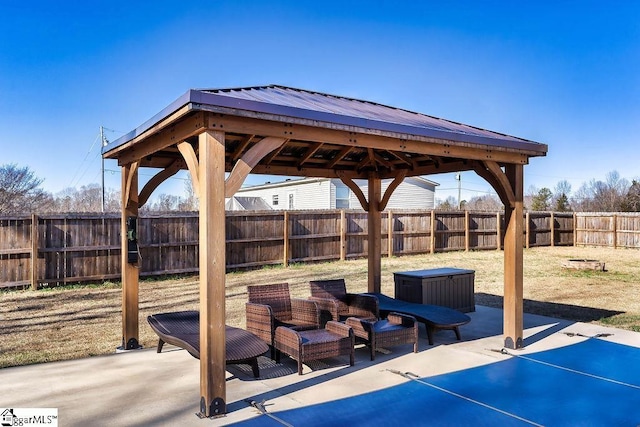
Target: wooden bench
{"type": "Point", "coordinates": [433, 316]}
{"type": "Point", "coordinates": [182, 329]}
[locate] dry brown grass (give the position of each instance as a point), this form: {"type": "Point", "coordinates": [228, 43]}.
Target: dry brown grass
{"type": "Point", "coordinates": [81, 321]}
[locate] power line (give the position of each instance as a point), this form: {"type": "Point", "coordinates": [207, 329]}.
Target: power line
{"type": "Point", "coordinates": [113, 130]}
{"type": "Point", "coordinates": [470, 190]}
{"type": "Point", "coordinates": [82, 163]}
{"type": "Point", "coordinates": [87, 163]}
{"type": "Point", "coordinates": [140, 173]}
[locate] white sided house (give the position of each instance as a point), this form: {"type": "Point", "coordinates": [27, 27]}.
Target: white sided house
{"type": "Point", "coordinates": [332, 193]}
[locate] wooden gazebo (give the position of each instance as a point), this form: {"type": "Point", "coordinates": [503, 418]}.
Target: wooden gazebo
{"type": "Point", "coordinates": [279, 130]}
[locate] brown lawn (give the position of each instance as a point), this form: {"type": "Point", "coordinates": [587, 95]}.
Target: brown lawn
{"type": "Point", "coordinates": [80, 321]}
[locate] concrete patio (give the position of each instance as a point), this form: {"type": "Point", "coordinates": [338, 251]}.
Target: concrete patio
{"type": "Point", "coordinates": [146, 388]}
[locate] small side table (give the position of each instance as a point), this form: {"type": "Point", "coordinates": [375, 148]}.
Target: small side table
{"type": "Point", "coordinates": [396, 329]}
{"type": "Point", "coordinates": [334, 340]}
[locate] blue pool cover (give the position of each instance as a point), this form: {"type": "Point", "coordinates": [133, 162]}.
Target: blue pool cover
{"type": "Point", "coordinates": [592, 383]}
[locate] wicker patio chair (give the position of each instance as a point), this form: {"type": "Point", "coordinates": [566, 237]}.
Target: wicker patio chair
{"type": "Point", "coordinates": [336, 304]}
{"type": "Point", "coordinates": [270, 306]}
{"type": "Point", "coordinates": [396, 329]}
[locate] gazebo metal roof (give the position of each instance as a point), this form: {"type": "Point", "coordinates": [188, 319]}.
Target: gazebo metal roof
{"type": "Point", "coordinates": [414, 134]}
{"type": "Point", "coordinates": [222, 135]}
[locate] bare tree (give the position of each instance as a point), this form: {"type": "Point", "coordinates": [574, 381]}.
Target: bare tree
{"type": "Point", "coordinates": [190, 201]}
{"type": "Point", "coordinates": [616, 190]}
{"type": "Point", "coordinates": [112, 200]}
{"type": "Point", "coordinates": [450, 204]}
{"type": "Point", "coordinates": [163, 203]}
{"type": "Point", "coordinates": [602, 196]}
{"type": "Point", "coordinates": [529, 195]}
{"type": "Point", "coordinates": [20, 191]}
{"type": "Point", "coordinates": [86, 199]}
{"type": "Point", "coordinates": [487, 203]}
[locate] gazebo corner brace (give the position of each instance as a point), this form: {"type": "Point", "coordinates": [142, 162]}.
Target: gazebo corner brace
{"type": "Point", "coordinates": [217, 408]}
{"type": "Point", "coordinates": [131, 344]}
{"type": "Point", "coordinates": [509, 343]}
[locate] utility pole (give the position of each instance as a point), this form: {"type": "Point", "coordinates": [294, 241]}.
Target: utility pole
{"type": "Point", "coordinates": [102, 144]}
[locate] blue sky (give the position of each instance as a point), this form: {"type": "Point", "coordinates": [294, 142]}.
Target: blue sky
{"type": "Point", "coordinates": [565, 73]}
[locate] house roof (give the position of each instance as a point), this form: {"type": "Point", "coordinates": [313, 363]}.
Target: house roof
{"type": "Point", "coordinates": [325, 135]}
{"type": "Point", "coordinates": [247, 203]}
{"type": "Point", "coordinates": [299, 181]}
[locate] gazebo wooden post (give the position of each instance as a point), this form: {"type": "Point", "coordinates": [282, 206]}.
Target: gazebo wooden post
{"type": "Point", "coordinates": [513, 261]}
{"type": "Point", "coordinates": [374, 224]}
{"type": "Point", "coordinates": [211, 175]}
{"type": "Point", "coordinates": [130, 270]}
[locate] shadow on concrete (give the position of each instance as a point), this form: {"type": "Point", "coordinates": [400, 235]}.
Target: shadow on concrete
{"type": "Point", "coordinates": [575, 313]}
{"type": "Point", "coordinates": [288, 367]}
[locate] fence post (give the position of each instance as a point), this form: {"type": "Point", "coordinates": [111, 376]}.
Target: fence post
{"type": "Point", "coordinates": [615, 231]}
{"type": "Point", "coordinates": [466, 231]}
{"type": "Point", "coordinates": [343, 235]}
{"type": "Point", "coordinates": [35, 243]}
{"type": "Point", "coordinates": [498, 245]}
{"type": "Point", "coordinates": [527, 230]}
{"type": "Point", "coordinates": [389, 233]}
{"type": "Point", "coordinates": [553, 230]}
{"type": "Point", "coordinates": [285, 243]}
{"type": "Point", "coordinates": [575, 230]}
{"type": "Point", "coordinates": [433, 232]}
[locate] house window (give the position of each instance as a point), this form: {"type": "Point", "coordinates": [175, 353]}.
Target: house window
{"type": "Point", "coordinates": [342, 197]}
{"type": "Point", "coordinates": [274, 200]}
{"type": "Point", "coordinates": [290, 200]}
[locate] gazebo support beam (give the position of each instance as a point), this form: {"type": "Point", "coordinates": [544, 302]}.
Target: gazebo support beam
{"type": "Point", "coordinates": [356, 190]}
{"type": "Point", "coordinates": [158, 179]}
{"type": "Point", "coordinates": [130, 270]}
{"type": "Point", "coordinates": [391, 188]}
{"type": "Point", "coordinates": [211, 176]}
{"type": "Point", "coordinates": [481, 169]}
{"type": "Point", "coordinates": [420, 145]}
{"type": "Point", "coordinates": [248, 161]}
{"type": "Point", "coordinates": [513, 260]}
{"type": "Point", "coordinates": [190, 157]}
{"type": "Point", "coordinates": [374, 241]}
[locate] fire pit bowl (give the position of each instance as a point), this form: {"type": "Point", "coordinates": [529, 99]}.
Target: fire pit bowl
{"type": "Point", "coordinates": [584, 264]}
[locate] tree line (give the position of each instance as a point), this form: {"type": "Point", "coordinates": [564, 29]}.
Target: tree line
{"type": "Point", "coordinates": [614, 194]}
{"type": "Point", "coordinates": [21, 192]}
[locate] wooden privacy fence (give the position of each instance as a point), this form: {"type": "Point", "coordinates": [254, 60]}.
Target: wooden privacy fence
{"type": "Point", "coordinates": [617, 230]}
{"type": "Point", "coordinates": [54, 249]}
